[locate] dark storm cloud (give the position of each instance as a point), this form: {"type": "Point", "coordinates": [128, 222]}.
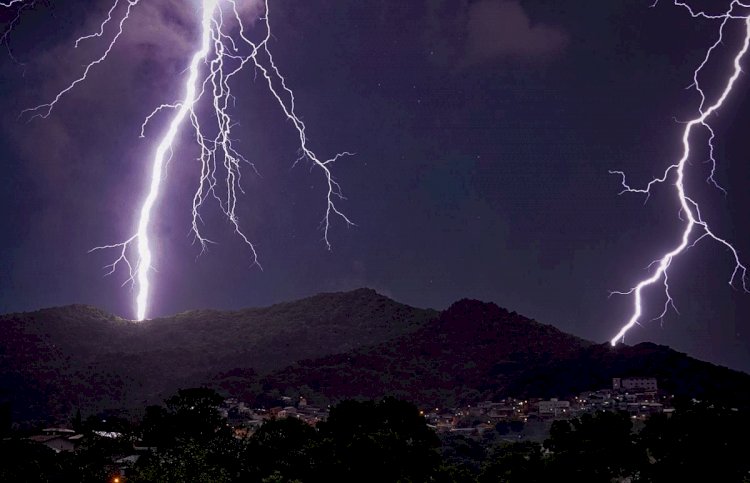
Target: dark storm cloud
{"type": "Point", "coordinates": [501, 28]}
{"type": "Point", "coordinates": [145, 65]}
{"type": "Point", "coordinates": [470, 33]}
{"type": "Point", "coordinates": [151, 50]}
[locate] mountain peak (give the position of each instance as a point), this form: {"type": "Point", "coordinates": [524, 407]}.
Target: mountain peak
{"type": "Point", "coordinates": [473, 306]}
{"type": "Point", "coordinates": [363, 293]}
{"type": "Point", "coordinates": [120, 364]}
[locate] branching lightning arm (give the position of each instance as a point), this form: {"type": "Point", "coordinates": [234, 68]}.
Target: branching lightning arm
{"type": "Point", "coordinates": [223, 54]}
{"type": "Point", "coordinates": [696, 228]}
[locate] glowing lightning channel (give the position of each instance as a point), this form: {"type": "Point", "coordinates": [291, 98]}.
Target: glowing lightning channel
{"type": "Point", "coordinates": [695, 223]}
{"type": "Point", "coordinates": [21, 6]}
{"type": "Point", "coordinates": [144, 265]}
{"type": "Point", "coordinates": [220, 57]}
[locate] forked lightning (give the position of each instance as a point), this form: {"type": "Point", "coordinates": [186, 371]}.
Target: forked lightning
{"type": "Point", "coordinates": [226, 48]}
{"type": "Point", "coordinates": [696, 228]}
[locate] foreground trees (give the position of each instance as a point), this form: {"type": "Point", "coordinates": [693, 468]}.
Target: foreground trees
{"type": "Point", "coordinates": [699, 443]}
{"type": "Point", "coordinates": [388, 441]}
{"type": "Point", "coordinates": [361, 441]}
{"type": "Point", "coordinates": [594, 448]}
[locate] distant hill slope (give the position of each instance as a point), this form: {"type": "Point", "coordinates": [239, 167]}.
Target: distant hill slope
{"type": "Point", "coordinates": [339, 345]}
{"type": "Point", "coordinates": [477, 351]}
{"type": "Point", "coordinates": [55, 360]}
{"type": "Point", "coordinates": [595, 366]}
{"type": "Point", "coordinates": [472, 350]}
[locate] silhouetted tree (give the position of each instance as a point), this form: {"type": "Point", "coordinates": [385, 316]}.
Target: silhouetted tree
{"type": "Point", "coordinates": [77, 421]}
{"type": "Point", "coordinates": [285, 449]}
{"type": "Point", "coordinates": [515, 463]}
{"type": "Point", "coordinates": [27, 461]}
{"type": "Point", "coordinates": [5, 418]}
{"type": "Point", "coordinates": [698, 443]}
{"type": "Point", "coordinates": [157, 428]}
{"type": "Point", "coordinates": [194, 414]}
{"type": "Point", "coordinates": [459, 451]}
{"type": "Point", "coordinates": [378, 442]}
{"type": "Point", "coordinates": [593, 448]}
{"type": "Point", "coordinates": [190, 461]}
{"type": "Point", "coordinates": [193, 441]}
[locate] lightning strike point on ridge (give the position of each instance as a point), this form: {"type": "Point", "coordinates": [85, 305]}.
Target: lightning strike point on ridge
{"type": "Point", "coordinates": [225, 49]}
{"type": "Point", "coordinates": [695, 228]}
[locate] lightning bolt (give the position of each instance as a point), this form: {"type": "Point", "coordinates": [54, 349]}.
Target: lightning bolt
{"type": "Point", "coordinates": [226, 48]}
{"type": "Point", "coordinates": [696, 228]}
{"type": "Point", "coordinates": [21, 5]}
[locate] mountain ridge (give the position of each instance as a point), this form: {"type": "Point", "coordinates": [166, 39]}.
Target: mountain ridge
{"type": "Point", "coordinates": [333, 345]}
{"type": "Point", "coordinates": [476, 351]}
{"type": "Point", "coordinates": [55, 360]}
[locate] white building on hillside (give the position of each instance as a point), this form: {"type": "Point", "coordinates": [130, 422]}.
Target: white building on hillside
{"type": "Point", "coordinates": [553, 407]}
{"type": "Point", "coordinates": [635, 384]}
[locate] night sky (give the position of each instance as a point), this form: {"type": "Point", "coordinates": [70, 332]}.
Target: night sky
{"type": "Point", "coordinates": [484, 132]}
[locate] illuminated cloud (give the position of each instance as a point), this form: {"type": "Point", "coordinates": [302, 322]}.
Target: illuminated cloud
{"type": "Point", "coordinates": [501, 28]}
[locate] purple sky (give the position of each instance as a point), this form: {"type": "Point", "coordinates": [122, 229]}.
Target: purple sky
{"type": "Point", "coordinates": [484, 131]}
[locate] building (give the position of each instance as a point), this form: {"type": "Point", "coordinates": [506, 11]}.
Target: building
{"type": "Point", "coordinates": [635, 384]}
{"type": "Point", "coordinates": [553, 407]}
{"type": "Point", "coordinates": [58, 439]}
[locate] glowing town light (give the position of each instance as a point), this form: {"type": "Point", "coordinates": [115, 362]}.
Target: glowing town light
{"type": "Point", "coordinates": [224, 51]}
{"type": "Point", "coordinates": [696, 228]}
